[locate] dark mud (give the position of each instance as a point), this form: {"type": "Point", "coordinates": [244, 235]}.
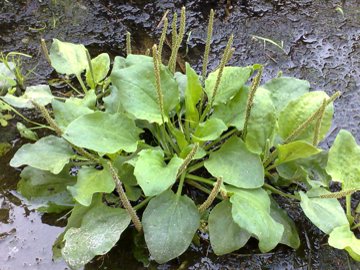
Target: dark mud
{"type": "Point", "coordinates": [320, 44]}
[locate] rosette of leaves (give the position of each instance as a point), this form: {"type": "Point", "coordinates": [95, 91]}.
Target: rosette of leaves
{"type": "Point", "coordinates": [140, 138]}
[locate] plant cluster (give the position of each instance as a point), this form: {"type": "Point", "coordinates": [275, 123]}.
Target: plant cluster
{"type": "Point", "coordinates": [127, 148]}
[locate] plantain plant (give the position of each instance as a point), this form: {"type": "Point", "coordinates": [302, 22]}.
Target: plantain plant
{"type": "Point", "coordinates": [128, 149]}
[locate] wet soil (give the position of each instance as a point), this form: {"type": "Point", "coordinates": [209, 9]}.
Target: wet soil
{"type": "Point", "coordinates": [320, 44]}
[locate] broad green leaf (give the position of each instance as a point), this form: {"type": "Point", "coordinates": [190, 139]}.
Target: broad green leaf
{"type": "Point", "coordinates": [290, 172]}
{"type": "Point", "coordinates": [262, 122]}
{"type": "Point", "coordinates": [68, 111]}
{"type": "Point", "coordinates": [233, 112]}
{"type": "Point", "coordinates": [299, 110]}
{"type": "Point", "coordinates": [209, 130]}
{"type": "Point", "coordinates": [225, 235]}
{"type": "Point", "coordinates": [112, 102]}
{"type": "Point", "coordinates": [101, 66]}
{"type": "Point", "coordinates": [49, 154]}
{"type": "Point", "coordinates": [192, 96]}
{"type": "Point", "coordinates": [343, 238]}
{"type": "Point", "coordinates": [232, 79]}
{"type": "Point", "coordinates": [137, 89]}
{"type": "Point", "coordinates": [295, 150]}
{"type": "Point", "coordinates": [46, 191]}
{"type": "Point", "coordinates": [236, 165]}
{"type": "Point", "coordinates": [68, 58]}
{"type": "Point", "coordinates": [179, 136]}
{"type": "Point", "coordinates": [251, 211]}
{"type": "Point", "coordinates": [100, 229]}
{"type": "Point", "coordinates": [285, 89]}
{"type": "Point", "coordinates": [290, 236]}
{"type": "Point", "coordinates": [325, 213]}
{"type": "Point", "coordinates": [170, 223]}
{"type": "Point", "coordinates": [41, 94]}
{"type": "Point", "coordinates": [89, 100]}
{"type": "Point", "coordinates": [153, 174]}
{"type": "Point", "coordinates": [90, 181]}
{"type": "Point", "coordinates": [7, 76]}
{"type": "Point", "coordinates": [343, 163]}
{"type": "Point", "coordinates": [26, 132]}
{"type": "Point", "coordinates": [103, 132]}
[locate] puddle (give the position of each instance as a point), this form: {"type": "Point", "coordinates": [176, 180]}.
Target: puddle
{"type": "Point", "coordinates": [320, 44]}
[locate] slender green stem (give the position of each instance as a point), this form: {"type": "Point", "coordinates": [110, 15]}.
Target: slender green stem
{"type": "Point", "coordinates": [88, 57]}
{"type": "Point", "coordinates": [198, 186]}
{"type": "Point", "coordinates": [200, 179]}
{"type": "Point", "coordinates": [28, 120]}
{"type": "Point", "coordinates": [81, 83]}
{"type": "Point", "coordinates": [318, 124]}
{"type": "Point", "coordinates": [279, 192]}
{"type": "Point", "coordinates": [348, 209]}
{"type": "Point", "coordinates": [196, 166]}
{"type": "Point", "coordinates": [143, 203]}
{"type": "Point", "coordinates": [223, 137]}
{"type": "Point", "coordinates": [181, 184]}
{"type": "Point", "coordinates": [355, 226]}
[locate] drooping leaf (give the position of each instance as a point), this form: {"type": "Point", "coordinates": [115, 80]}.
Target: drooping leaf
{"type": "Point", "coordinates": [251, 211]}
{"type": "Point", "coordinates": [68, 58]}
{"type": "Point", "coordinates": [100, 66]}
{"type": "Point", "coordinates": [225, 235]}
{"type": "Point", "coordinates": [26, 132]}
{"type": "Point", "coordinates": [170, 223]}
{"type": "Point", "coordinates": [103, 132]}
{"type": "Point", "coordinates": [262, 122]}
{"type": "Point", "coordinates": [41, 94]}
{"type": "Point", "coordinates": [137, 89]}
{"type": "Point", "coordinates": [192, 96]}
{"type": "Point", "coordinates": [90, 181]}
{"type": "Point", "coordinates": [46, 191]}
{"type": "Point", "coordinates": [343, 238]}
{"type": "Point", "coordinates": [299, 110]}
{"type": "Point", "coordinates": [209, 130]}
{"type": "Point", "coordinates": [290, 236]}
{"type": "Point", "coordinates": [325, 213]}
{"type": "Point", "coordinates": [236, 165]}
{"type": "Point", "coordinates": [49, 154]}
{"type": "Point", "coordinates": [233, 78]}
{"type": "Point", "coordinates": [100, 229]}
{"type": "Point", "coordinates": [152, 173]}
{"type": "Point", "coordinates": [295, 150]}
{"type": "Point", "coordinates": [343, 163]}
{"type": "Point", "coordinates": [285, 89]}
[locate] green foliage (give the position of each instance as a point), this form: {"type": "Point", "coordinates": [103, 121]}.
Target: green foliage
{"type": "Point", "coordinates": [148, 137]}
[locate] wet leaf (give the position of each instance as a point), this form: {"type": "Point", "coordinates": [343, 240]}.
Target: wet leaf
{"type": "Point", "coordinates": [49, 154]}
{"type": "Point", "coordinates": [236, 165]}
{"type": "Point", "coordinates": [170, 223]}
{"type": "Point", "coordinates": [209, 130]}
{"type": "Point", "coordinates": [101, 66]}
{"type": "Point", "coordinates": [26, 132]}
{"type": "Point", "coordinates": [225, 235]}
{"type": "Point", "coordinates": [343, 238]}
{"type": "Point", "coordinates": [193, 93]}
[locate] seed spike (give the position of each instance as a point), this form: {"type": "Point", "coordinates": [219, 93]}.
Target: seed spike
{"type": "Point", "coordinates": [210, 199]}
{"type": "Point", "coordinates": [128, 43]}
{"type": "Point", "coordinates": [207, 45]}
{"type": "Point", "coordinates": [163, 37]}
{"type": "Point", "coordinates": [178, 40]}
{"type": "Point", "coordinates": [318, 123]}
{"type": "Point", "coordinates": [158, 80]}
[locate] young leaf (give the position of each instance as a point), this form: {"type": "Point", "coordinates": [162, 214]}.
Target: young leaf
{"type": "Point", "coordinates": [209, 130]}
{"type": "Point", "coordinates": [236, 165]}
{"type": "Point", "coordinates": [153, 174]}
{"type": "Point", "coordinates": [251, 211]}
{"type": "Point", "coordinates": [103, 132]}
{"type": "Point", "coordinates": [192, 96]}
{"type": "Point", "coordinates": [49, 154]}
{"type": "Point", "coordinates": [326, 214]}
{"type": "Point", "coordinates": [262, 122]}
{"type": "Point", "coordinates": [285, 89]}
{"type": "Point", "coordinates": [343, 238]}
{"type": "Point", "coordinates": [170, 223]}
{"type": "Point", "coordinates": [100, 66]}
{"type": "Point", "coordinates": [41, 94]}
{"type": "Point", "coordinates": [295, 150]}
{"type": "Point", "coordinates": [233, 78]}
{"type": "Point", "coordinates": [137, 88]}
{"type": "Point", "coordinates": [101, 228]}
{"type": "Point", "coordinates": [90, 181]}
{"type": "Point", "coordinates": [343, 162]}
{"type": "Point", "coordinates": [26, 132]}
{"type": "Point", "coordinates": [299, 110]}
{"type": "Point", "coordinates": [68, 58]}
{"type": "Point", "coordinates": [225, 235]}
{"type": "Point", "coordinates": [46, 191]}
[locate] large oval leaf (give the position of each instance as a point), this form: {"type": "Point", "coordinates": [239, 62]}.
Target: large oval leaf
{"type": "Point", "coordinates": [343, 238]}
{"type": "Point", "coordinates": [193, 93]}
{"type": "Point", "coordinates": [295, 150]}
{"type": "Point", "coordinates": [103, 132]}
{"type": "Point", "coordinates": [299, 110]}
{"type": "Point", "coordinates": [251, 211]}
{"type": "Point", "coordinates": [236, 165]}
{"type": "Point", "coordinates": [100, 229]}
{"type": "Point", "coordinates": [225, 235]}
{"type": "Point", "coordinates": [49, 154]}
{"type": "Point", "coordinates": [137, 88]}
{"type": "Point", "coordinates": [343, 163]}
{"type": "Point", "coordinates": [170, 223]}
{"type": "Point", "coordinates": [153, 174]}
{"type": "Point", "coordinates": [209, 130]}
